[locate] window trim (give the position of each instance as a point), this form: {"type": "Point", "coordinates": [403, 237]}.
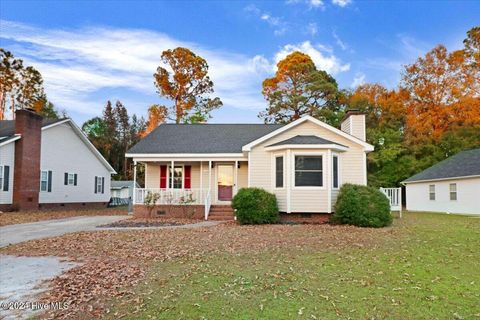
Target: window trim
{"type": "Point", "coordinates": [430, 192]}
{"type": "Point", "coordinates": [2, 178]}
{"type": "Point", "coordinates": [274, 170]}
{"type": "Point", "coordinates": [339, 183]}
{"type": "Point", "coordinates": [46, 189]}
{"type": "Point", "coordinates": [99, 184]}
{"type": "Point", "coordinates": [318, 154]}
{"type": "Point", "coordinates": [170, 175]}
{"type": "Point", "coordinates": [450, 192]}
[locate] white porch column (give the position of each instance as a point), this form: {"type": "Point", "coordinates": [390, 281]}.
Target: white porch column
{"type": "Point", "coordinates": [210, 175]}
{"type": "Point", "coordinates": [329, 179]}
{"type": "Point", "coordinates": [134, 181]}
{"type": "Point", "coordinates": [201, 181]}
{"type": "Point", "coordinates": [170, 174]}
{"type": "Point", "coordinates": [235, 178]}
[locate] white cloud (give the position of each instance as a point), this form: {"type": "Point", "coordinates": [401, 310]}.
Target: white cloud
{"type": "Point", "coordinates": [277, 23]}
{"type": "Point", "coordinates": [313, 4]}
{"type": "Point", "coordinates": [358, 80]}
{"type": "Point", "coordinates": [316, 3]}
{"type": "Point", "coordinates": [312, 28]}
{"type": "Point", "coordinates": [79, 64]}
{"type": "Point", "coordinates": [323, 58]}
{"type": "Point", "coordinates": [339, 41]}
{"type": "Point", "coordinates": [341, 3]}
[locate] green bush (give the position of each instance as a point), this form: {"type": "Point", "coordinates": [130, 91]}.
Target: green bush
{"type": "Point", "coordinates": [255, 206]}
{"type": "Point", "coordinates": [362, 206]}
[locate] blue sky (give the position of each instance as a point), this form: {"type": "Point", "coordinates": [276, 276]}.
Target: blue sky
{"type": "Point", "coordinates": [89, 52]}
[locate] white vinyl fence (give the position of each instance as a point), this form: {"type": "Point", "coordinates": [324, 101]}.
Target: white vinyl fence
{"type": "Point", "coordinates": [394, 195]}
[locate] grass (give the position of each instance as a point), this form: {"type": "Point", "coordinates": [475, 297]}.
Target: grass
{"type": "Point", "coordinates": [427, 267]}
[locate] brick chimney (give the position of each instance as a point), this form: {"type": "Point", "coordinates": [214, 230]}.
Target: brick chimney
{"type": "Point", "coordinates": [26, 185]}
{"type": "Point", "coordinates": [354, 124]}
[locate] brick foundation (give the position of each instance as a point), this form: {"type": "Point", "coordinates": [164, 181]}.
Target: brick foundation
{"type": "Point", "coordinates": [316, 218]}
{"type": "Point", "coordinates": [171, 211]}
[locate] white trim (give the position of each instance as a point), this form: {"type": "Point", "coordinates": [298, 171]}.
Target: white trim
{"type": "Point", "coordinates": [249, 169]}
{"type": "Point", "coordinates": [43, 170]}
{"type": "Point", "coordinates": [134, 196]}
{"type": "Point", "coordinates": [338, 171]}
{"type": "Point", "coordinates": [184, 155]}
{"type": "Point", "coordinates": [15, 138]}
{"type": "Point", "coordinates": [329, 183]}
{"type": "Point", "coordinates": [235, 179]}
{"type": "Point", "coordinates": [307, 146]}
{"type": "Point", "coordinates": [56, 124]}
{"type": "Point", "coordinates": [274, 170]}
{"type": "Point", "coordinates": [365, 168]}
{"type": "Point", "coordinates": [292, 172]}
{"type": "Point", "coordinates": [186, 159]}
{"type": "Point", "coordinates": [288, 184]}
{"type": "Point", "coordinates": [201, 175]}
{"type": "Point", "coordinates": [441, 179]}
{"type": "Point", "coordinates": [249, 146]}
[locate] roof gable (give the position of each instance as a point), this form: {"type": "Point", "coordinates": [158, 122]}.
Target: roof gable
{"type": "Point", "coordinates": [365, 145]}
{"type": "Point", "coordinates": [463, 164]}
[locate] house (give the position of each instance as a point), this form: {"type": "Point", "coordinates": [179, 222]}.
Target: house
{"type": "Point", "coordinates": [452, 185]}
{"type": "Point", "coordinates": [49, 163]}
{"type": "Point", "coordinates": [304, 163]}
{"type": "Point", "coordinates": [121, 192]}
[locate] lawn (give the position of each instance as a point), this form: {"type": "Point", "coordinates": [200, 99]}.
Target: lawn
{"type": "Point", "coordinates": [424, 267]}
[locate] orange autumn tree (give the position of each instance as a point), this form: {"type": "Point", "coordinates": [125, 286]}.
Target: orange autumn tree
{"type": "Point", "coordinates": [442, 90]}
{"type": "Point", "coordinates": [187, 84]}
{"type": "Point", "coordinates": [157, 115]}
{"type": "Point", "coordinates": [298, 88]}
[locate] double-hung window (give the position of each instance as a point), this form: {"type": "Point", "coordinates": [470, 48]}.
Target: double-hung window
{"type": "Point", "coordinates": [177, 177]}
{"type": "Point", "coordinates": [453, 191]}
{"type": "Point", "coordinates": [1, 178]}
{"type": "Point", "coordinates": [335, 172]}
{"type": "Point", "coordinates": [308, 171]}
{"type": "Point", "coordinates": [431, 191]}
{"type": "Point", "coordinates": [43, 180]}
{"type": "Point", "coordinates": [279, 172]}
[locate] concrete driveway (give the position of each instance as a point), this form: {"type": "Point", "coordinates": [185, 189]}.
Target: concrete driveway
{"type": "Point", "coordinates": [50, 228]}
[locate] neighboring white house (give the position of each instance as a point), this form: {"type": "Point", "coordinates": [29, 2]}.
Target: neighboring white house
{"type": "Point", "coordinates": [304, 163]}
{"type": "Point", "coordinates": [122, 189]}
{"type": "Point", "coordinates": [452, 185]}
{"type": "Point", "coordinates": [47, 163]}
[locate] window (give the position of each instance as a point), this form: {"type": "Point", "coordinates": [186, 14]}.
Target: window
{"type": "Point", "coordinates": [453, 191]}
{"type": "Point", "coordinates": [279, 172]}
{"type": "Point", "coordinates": [431, 189]}
{"type": "Point", "coordinates": [1, 178]}
{"type": "Point", "coordinates": [177, 177]}
{"type": "Point", "coordinates": [43, 180]}
{"type": "Point", "coordinates": [71, 179]}
{"type": "Point", "coordinates": [99, 184]}
{"type": "Point", "coordinates": [335, 172]}
{"type": "Point", "coordinates": [308, 171]}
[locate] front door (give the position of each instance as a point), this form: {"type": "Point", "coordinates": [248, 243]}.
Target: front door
{"type": "Point", "coordinates": [225, 182]}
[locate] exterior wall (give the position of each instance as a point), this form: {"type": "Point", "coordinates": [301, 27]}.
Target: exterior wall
{"type": "Point", "coordinates": [7, 158]}
{"type": "Point", "coordinates": [152, 175]}
{"type": "Point", "coordinates": [468, 195]}
{"type": "Point", "coordinates": [352, 166]}
{"type": "Point", "coordinates": [63, 151]}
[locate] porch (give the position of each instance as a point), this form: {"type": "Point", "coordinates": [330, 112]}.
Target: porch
{"type": "Point", "coordinates": [201, 184]}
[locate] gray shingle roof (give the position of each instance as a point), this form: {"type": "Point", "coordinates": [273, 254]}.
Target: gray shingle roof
{"type": "Point", "coordinates": [304, 140]}
{"type": "Point", "coordinates": [465, 163]}
{"type": "Point", "coordinates": [7, 127]}
{"type": "Point", "coordinates": [201, 138]}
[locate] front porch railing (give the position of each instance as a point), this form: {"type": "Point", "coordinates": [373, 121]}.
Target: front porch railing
{"type": "Point", "coordinates": [394, 196]}
{"type": "Point", "coordinates": [174, 196]}
{"type": "Point", "coordinates": [208, 204]}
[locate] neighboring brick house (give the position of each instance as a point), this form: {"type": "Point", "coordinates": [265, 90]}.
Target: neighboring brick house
{"type": "Point", "coordinates": [49, 163]}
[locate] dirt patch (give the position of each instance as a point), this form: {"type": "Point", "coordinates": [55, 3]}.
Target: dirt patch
{"type": "Point", "coordinates": [113, 262]}
{"type": "Point", "coordinates": [145, 223]}
{"type": "Point", "coordinates": [9, 218]}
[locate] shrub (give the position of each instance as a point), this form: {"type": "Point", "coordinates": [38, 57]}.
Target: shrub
{"type": "Point", "coordinates": [255, 206]}
{"type": "Point", "coordinates": [362, 206]}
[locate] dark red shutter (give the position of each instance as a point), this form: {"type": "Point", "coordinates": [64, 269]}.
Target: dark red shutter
{"type": "Point", "coordinates": [188, 177]}
{"type": "Point", "coordinates": [163, 177]}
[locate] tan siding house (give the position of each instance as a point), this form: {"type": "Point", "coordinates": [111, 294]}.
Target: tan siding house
{"type": "Point", "coordinates": [303, 163]}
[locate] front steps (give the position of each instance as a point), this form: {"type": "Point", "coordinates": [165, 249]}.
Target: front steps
{"type": "Point", "coordinates": [221, 213]}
